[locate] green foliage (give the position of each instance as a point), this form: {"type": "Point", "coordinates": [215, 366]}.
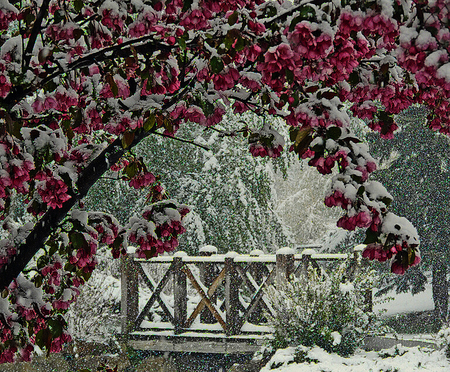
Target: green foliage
{"type": "Point", "coordinates": [229, 191]}
{"type": "Point", "coordinates": [323, 310]}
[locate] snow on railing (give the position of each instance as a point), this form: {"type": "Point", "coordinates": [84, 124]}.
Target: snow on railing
{"type": "Point", "coordinates": [224, 290]}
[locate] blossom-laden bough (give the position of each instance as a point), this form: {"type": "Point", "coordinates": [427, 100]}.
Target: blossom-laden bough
{"type": "Point", "coordinates": [83, 82]}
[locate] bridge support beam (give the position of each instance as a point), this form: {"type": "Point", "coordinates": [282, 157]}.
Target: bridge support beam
{"type": "Point", "coordinates": [130, 294]}
{"type": "Point", "coordinates": [180, 295]}
{"type": "Point", "coordinates": [231, 297]}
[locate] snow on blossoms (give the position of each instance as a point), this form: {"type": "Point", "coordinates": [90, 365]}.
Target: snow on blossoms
{"type": "Point", "coordinates": [157, 232]}
{"type": "Point", "coordinates": [83, 84]}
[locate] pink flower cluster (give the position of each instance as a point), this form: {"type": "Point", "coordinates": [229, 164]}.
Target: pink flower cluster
{"type": "Point", "coordinates": [123, 90]}
{"type": "Point", "coordinates": [53, 274]}
{"type": "Point", "coordinates": [360, 219]}
{"type": "Point", "coordinates": [142, 180]}
{"type": "Point", "coordinates": [7, 15]}
{"type": "Point", "coordinates": [112, 18]}
{"type": "Point", "coordinates": [196, 19]}
{"type": "Point", "coordinates": [15, 166]}
{"type": "Point", "coordinates": [61, 100]}
{"type": "Point", "coordinates": [265, 142]}
{"type": "Point", "coordinates": [121, 124]}
{"type": "Point", "coordinates": [84, 258]}
{"type": "Point", "coordinates": [159, 231]}
{"type": "Point", "coordinates": [377, 26]}
{"type": "Point", "coordinates": [62, 32]}
{"type": "Point", "coordinates": [144, 24]}
{"type": "Point", "coordinates": [226, 80]}
{"type": "Point", "coordinates": [309, 42]}
{"type": "Point", "coordinates": [399, 252]}
{"type": "Point", "coordinates": [161, 82]}
{"type": "Point", "coordinates": [53, 191]}
{"type": "Point", "coordinates": [5, 85]}
{"type": "Point", "coordinates": [337, 199]}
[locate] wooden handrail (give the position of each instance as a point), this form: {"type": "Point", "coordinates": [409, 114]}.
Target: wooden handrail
{"type": "Point", "coordinates": [222, 276]}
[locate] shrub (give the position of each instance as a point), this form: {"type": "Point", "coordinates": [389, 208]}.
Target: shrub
{"type": "Point", "coordinates": [444, 338]}
{"type": "Point", "coordinates": [323, 310]}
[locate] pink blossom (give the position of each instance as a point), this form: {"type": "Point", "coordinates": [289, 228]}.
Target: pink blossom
{"type": "Point", "coordinates": [195, 20]}
{"type": "Point", "coordinates": [196, 115]}
{"type": "Point", "coordinates": [53, 192]}
{"type": "Point", "coordinates": [5, 85]}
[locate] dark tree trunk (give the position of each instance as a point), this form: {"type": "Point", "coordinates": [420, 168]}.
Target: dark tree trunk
{"type": "Point", "coordinates": [440, 290]}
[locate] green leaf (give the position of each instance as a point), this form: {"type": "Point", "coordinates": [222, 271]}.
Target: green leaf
{"type": "Point", "coordinates": [127, 139]}
{"type": "Point", "coordinates": [78, 240]}
{"type": "Point", "coordinates": [353, 78]}
{"type": "Point", "coordinates": [58, 16]}
{"type": "Point", "coordinates": [43, 338]}
{"type": "Point", "coordinates": [150, 122]}
{"type": "Point", "coordinates": [50, 86]}
{"type": "Point", "coordinates": [289, 76]}
{"type": "Point", "coordinates": [371, 236]}
{"type": "Point", "coordinates": [307, 12]}
{"type": "Point", "coordinates": [387, 201]}
{"type": "Point", "coordinates": [55, 327]}
{"type": "Point", "coordinates": [334, 133]}
{"type": "Point", "coordinates": [42, 261]}
{"type": "Point", "coordinates": [106, 117]}
{"type": "Point", "coordinates": [294, 22]}
{"type": "Point", "coordinates": [131, 170]}
{"type": "Point", "coordinates": [385, 118]}
{"type": "Point", "coordinates": [37, 280]}
{"type": "Point", "coordinates": [77, 5]}
{"type": "Point", "coordinates": [232, 19]}
{"type": "Point", "coordinates": [182, 43]}
{"type": "Point", "coordinates": [240, 45]}
{"type": "Point", "coordinates": [216, 65]}
{"type": "Point", "coordinates": [86, 275]}
{"type": "Point", "coordinates": [361, 190]}
{"type": "Point", "coordinates": [187, 5]}
{"type": "Point", "coordinates": [114, 88]}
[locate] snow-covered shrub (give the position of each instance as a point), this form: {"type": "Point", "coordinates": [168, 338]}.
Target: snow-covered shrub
{"type": "Point", "coordinates": [323, 310]}
{"type": "Point", "coordinates": [444, 338]}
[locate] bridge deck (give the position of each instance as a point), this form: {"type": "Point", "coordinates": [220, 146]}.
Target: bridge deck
{"type": "Point", "coordinates": [196, 342]}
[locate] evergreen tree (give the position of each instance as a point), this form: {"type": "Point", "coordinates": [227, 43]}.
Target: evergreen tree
{"type": "Point", "coordinates": [416, 173]}
{"type": "Point", "coordinates": [230, 193]}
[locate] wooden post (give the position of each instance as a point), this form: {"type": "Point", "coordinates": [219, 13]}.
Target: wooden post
{"type": "Point", "coordinates": [231, 297]}
{"type": "Point", "coordinates": [285, 265]}
{"type": "Point", "coordinates": [207, 278]}
{"type": "Point", "coordinates": [130, 294]}
{"type": "Point", "coordinates": [180, 295]}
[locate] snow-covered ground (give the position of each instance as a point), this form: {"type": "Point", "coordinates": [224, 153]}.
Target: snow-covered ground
{"type": "Point", "coordinates": [396, 359]}
{"type": "Point", "coordinates": [403, 303]}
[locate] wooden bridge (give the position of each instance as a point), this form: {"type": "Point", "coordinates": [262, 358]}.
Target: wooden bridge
{"type": "Point", "coordinates": [211, 303]}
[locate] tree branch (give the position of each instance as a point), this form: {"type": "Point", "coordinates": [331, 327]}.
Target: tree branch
{"type": "Point", "coordinates": [182, 140]}
{"type": "Point", "coordinates": [89, 176]}
{"type": "Point", "coordinates": [34, 34]}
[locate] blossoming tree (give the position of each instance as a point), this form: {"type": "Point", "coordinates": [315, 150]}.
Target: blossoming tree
{"type": "Point", "coordinates": [82, 82]}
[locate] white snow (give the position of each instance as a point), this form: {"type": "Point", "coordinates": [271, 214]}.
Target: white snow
{"type": "Point", "coordinates": [208, 249]}
{"type": "Point", "coordinates": [285, 250]}
{"type": "Point", "coordinates": [397, 359]}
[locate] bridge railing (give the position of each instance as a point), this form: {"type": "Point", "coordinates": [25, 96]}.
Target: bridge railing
{"type": "Point", "coordinates": [210, 292]}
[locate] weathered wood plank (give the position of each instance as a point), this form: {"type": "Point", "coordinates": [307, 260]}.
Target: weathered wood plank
{"type": "Point", "coordinates": [179, 294]}
{"type": "Point", "coordinates": [152, 286]}
{"type": "Point", "coordinates": [202, 293]}
{"type": "Point", "coordinates": [129, 294]}
{"type": "Point", "coordinates": [231, 297]}
{"type": "Point", "coordinates": [156, 295]}
{"type": "Point", "coordinates": [201, 305]}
